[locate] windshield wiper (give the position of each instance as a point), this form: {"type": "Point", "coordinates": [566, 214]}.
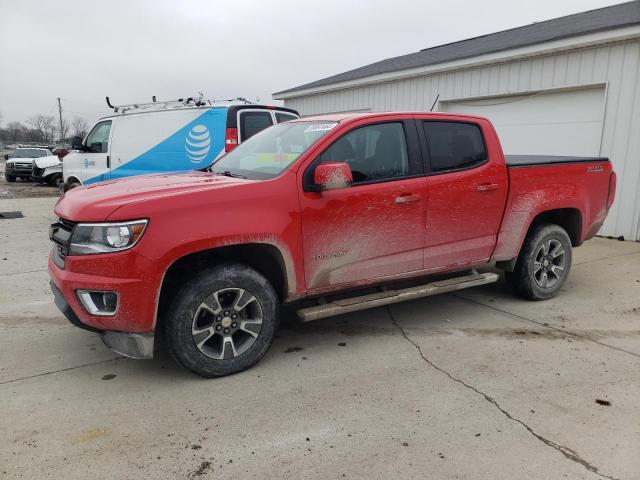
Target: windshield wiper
{"type": "Point", "coordinates": [227, 173]}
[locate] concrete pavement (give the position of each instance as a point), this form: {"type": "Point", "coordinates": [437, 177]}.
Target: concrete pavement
{"type": "Point", "coordinates": [477, 384]}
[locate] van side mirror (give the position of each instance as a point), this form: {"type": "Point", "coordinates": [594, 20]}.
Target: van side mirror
{"type": "Point", "coordinates": [6, 156]}
{"type": "Point", "coordinates": [96, 147]}
{"type": "Point", "coordinates": [331, 176]}
{"type": "Point", "coordinates": [76, 143]}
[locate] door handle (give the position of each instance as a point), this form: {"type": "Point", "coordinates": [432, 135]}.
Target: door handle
{"type": "Point", "coordinates": [108, 161]}
{"type": "Point", "coordinates": [487, 187]}
{"type": "Point", "coordinates": [407, 197]}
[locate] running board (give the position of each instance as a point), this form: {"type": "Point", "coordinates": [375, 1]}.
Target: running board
{"type": "Point", "coordinates": [338, 307]}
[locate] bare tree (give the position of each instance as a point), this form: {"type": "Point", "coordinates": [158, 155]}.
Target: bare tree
{"type": "Point", "coordinates": [15, 129]}
{"type": "Point", "coordinates": [44, 125]}
{"type": "Point", "coordinates": [79, 127]}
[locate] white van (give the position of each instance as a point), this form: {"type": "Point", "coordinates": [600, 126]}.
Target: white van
{"type": "Point", "coordinates": [164, 139]}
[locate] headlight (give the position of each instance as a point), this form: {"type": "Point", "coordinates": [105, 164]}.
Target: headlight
{"type": "Point", "coordinates": [89, 238]}
{"type": "Point", "coordinates": [10, 164]}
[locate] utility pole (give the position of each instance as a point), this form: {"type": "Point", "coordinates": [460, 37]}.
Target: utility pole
{"type": "Point", "coordinates": [60, 114]}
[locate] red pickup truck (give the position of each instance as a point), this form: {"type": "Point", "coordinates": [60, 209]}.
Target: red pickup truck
{"type": "Point", "coordinates": [327, 215]}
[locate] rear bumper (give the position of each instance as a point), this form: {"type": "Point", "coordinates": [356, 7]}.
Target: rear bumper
{"type": "Point", "coordinates": [132, 345]}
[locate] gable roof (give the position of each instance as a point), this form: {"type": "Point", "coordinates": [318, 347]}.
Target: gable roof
{"type": "Point", "coordinates": [592, 21]}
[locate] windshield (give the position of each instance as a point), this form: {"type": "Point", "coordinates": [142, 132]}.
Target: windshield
{"type": "Point", "coordinates": [269, 152]}
{"type": "Point", "coordinates": [29, 153]}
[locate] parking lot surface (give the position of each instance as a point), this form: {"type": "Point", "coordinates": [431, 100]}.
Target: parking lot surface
{"type": "Point", "coordinates": [477, 384]}
{"type": "Point", "coordinates": [22, 188]}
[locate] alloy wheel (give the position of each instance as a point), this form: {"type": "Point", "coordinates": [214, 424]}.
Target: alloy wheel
{"type": "Point", "coordinates": [549, 263]}
{"type": "Point", "coordinates": [227, 323]}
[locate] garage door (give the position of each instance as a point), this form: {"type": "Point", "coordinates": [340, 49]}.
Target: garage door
{"type": "Point", "coordinates": [558, 123]}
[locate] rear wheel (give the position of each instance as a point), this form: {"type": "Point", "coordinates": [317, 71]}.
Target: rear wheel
{"type": "Point", "coordinates": [544, 263]}
{"type": "Point", "coordinates": [222, 321]}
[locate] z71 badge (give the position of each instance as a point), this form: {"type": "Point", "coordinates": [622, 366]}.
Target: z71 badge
{"type": "Point", "coordinates": [326, 256]}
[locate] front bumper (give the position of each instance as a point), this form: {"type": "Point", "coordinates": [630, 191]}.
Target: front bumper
{"type": "Point", "coordinates": [37, 175]}
{"type": "Point", "coordinates": [18, 171]}
{"type": "Point", "coordinates": [132, 345]}
{"type": "Point", "coordinates": [130, 331]}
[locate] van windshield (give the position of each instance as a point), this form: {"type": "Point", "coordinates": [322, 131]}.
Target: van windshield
{"type": "Point", "coordinates": [268, 153]}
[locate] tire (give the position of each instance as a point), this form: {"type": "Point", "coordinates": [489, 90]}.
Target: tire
{"type": "Point", "coordinates": [214, 306]}
{"type": "Point", "coordinates": [9, 178]}
{"type": "Point", "coordinates": [73, 185]}
{"type": "Point", "coordinates": [55, 180]}
{"type": "Point", "coordinates": [543, 264]}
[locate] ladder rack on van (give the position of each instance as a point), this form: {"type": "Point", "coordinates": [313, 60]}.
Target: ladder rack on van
{"type": "Point", "coordinates": [180, 102]}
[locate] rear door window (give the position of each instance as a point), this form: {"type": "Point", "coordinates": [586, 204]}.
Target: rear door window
{"type": "Point", "coordinates": [253, 122]}
{"type": "Point", "coordinates": [454, 145]}
{"type": "Point", "coordinates": [284, 117]}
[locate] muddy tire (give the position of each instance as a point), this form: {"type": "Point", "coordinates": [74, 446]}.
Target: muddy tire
{"type": "Point", "coordinates": [222, 321]}
{"type": "Point", "coordinates": [543, 264]}
{"type": "Point", "coordinates": [9, 178]}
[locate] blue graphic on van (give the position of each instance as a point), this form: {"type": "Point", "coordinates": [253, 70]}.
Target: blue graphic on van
{"type": "Point", "coordinates": [196, 144]}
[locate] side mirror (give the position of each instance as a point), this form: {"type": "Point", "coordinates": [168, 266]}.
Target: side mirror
{"type": "Point", "coordinates": [76, 143]}
{"type": "Point", "coordinates": [333, 175]}
{"type": "Point", "coordinates": [96, 147]}
{"type": "Point", "coordinates": [6, 157]}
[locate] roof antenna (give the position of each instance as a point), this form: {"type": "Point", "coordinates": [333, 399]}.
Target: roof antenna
{"type": "Point", "coordinates": [434, 103]}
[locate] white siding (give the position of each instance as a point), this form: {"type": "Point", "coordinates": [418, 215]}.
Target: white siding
{"type": "Point", "coordinates": [616, 65]}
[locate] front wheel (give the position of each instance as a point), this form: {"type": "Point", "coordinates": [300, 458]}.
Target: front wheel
{"type": "Point", "coordinates": [9, 178]}
{"type": "Point", "coordinates": [544, 263]}
{"type": "Point", "coordinates": [56, 180]}
{"type": "Point", "coordinates": [222, 321]}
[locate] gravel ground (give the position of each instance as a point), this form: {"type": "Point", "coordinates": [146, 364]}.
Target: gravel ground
{"type": "Point", "coordinates": [23, 189]}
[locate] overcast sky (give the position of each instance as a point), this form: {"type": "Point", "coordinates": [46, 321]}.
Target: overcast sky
{"type": "Point", "coordinates": [83, 50]}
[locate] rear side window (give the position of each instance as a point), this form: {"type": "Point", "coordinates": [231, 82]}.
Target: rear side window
{"type": "Point", "coordinates": [454, 145]}
{"type": "Point", "coordinates": [284, 117]}
{"type": "Point", "coordinates": [253, 122]}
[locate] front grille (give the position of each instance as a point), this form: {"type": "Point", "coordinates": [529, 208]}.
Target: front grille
{"type": "Point", "coordinates": [61, 237]}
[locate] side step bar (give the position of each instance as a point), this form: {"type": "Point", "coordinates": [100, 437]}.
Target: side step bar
{"type": "Point", "coordinates": [338, 307]}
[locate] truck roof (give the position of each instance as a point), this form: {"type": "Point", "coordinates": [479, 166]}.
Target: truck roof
{"type": "Point", "coordinates": [342, 117]}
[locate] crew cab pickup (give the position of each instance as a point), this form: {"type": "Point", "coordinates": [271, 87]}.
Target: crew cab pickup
{"type": "Point", "coordinates": [325, 215]}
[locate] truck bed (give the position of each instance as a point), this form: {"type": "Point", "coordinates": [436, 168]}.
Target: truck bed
{"type": "Point", "coordinates": [515, 161]}
{"type": "Point", "coordinates": [550, 183]}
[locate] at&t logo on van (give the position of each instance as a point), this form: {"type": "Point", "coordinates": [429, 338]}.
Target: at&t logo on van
{"type": "Point", "coordinates": [197, 143]}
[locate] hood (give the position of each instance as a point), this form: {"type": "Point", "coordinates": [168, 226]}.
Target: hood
{"type": "Point", "coordinates": [97, 201]}
{"type": "Point", "coordinates": [48, 161]}
{"type": "Point", "coordinates": [22, 160]}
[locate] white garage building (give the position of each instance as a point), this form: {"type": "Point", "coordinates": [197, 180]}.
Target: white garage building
{"type": "Point", "coordinates": [567, 86]}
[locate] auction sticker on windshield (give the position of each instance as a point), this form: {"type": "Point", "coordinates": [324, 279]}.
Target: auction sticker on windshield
{"type": "Point", "coordinates": [320, 127]}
